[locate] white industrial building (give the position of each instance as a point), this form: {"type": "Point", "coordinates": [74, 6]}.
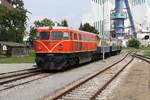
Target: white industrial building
{"type": "Point", "coordinates": [95, 16]}
{"type": "Point", "coordinates": [101, 10]}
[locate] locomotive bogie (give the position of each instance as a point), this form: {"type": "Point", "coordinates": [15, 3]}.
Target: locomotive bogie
{"type": "Point", "coordinates": [61, 61]}
{"type": "Point", "coordinates": [54, 62]}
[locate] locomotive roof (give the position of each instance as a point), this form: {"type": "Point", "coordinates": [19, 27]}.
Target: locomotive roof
{"type": "Point", "coordinates": [63, 28]}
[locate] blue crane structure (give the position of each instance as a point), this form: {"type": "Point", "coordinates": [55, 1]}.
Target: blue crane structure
{"type": "Point", "coordinates": [130, 18]}
{"type": "Point", "coordinates": [119, 16]}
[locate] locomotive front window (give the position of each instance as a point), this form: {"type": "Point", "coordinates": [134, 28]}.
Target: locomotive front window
{"type": "Point", "coordinates": [37, 35]}
{"type": "Point", "coordinates": [66, 35]}
{"type": "Point", "coordinates": [43, 35]}
{"type": "Point", "coordinates": [57, 35]}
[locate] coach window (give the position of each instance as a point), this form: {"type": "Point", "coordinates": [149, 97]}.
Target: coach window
{"type": "Point", "coordinates": [57, 35]}
{"type": "Point", "coordinates": [66, 35]}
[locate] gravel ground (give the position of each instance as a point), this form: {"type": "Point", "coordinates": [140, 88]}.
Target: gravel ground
{"type": "Point", "coordinates": [14, 67]}
{"type": "Point", "coordinates": [137, 85]}
{"type": "Point", "coordinates": [132, 84]}
{"type": "Point", "coordinates": [38, 89]}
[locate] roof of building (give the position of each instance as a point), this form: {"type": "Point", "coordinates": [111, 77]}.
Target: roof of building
{"type": "Point", "coordinates": [6, 3]}
{"type": "Point", "coordinates": [12, 44]}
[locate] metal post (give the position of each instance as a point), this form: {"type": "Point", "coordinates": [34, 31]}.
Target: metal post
{"type": "Point", "coordinates": [103, 32]}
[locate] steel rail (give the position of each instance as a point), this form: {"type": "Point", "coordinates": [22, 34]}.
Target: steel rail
{"type": "Point", "coordinates": [15, 78]}
{"type": "Point", "coordinates": [110, 81]}
{"type": "Point", "coordinates": [17, 73]}
{"type": "Point", "coordinates": [144, 58]}
{"type": "Point", "coordinates": [13, 86]}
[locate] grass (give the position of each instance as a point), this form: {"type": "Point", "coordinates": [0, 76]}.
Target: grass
{"type": "Point", "coordinates": [147, 52]}
{"type": "Point", "coordinates": [15, 59]}
{"type": "Point", "coordinates": [132, 49]}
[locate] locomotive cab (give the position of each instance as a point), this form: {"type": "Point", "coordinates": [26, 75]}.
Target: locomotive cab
{"type": "Point", "coordinates": [52, 41]}
{"type": "Point", "coordinates": [50, 47]}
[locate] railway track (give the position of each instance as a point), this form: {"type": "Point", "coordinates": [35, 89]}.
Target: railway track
{"type": "Point", "coordinates": [144, 58]}
{"type": "Point", "coordinates": [6, 73]}
{"type": "Point", "coordinates": [90, 87]}
{"type": "Point", "coordinates": [9, 80]}
{"type": "Point", "coordinates": [17, 75]}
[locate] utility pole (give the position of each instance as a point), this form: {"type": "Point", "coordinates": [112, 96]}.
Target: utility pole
{"type": "Point", "coordinates": [103, 31]}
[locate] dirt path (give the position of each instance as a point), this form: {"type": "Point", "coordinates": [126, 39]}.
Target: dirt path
{"type": "Point", "coordinates": [136, 85]}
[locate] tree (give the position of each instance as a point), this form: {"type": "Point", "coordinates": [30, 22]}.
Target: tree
{"type": "Point", "coordinates": [32, 36]}
{"type": "Point", "coordinates": [64, 23]}
{"type": "Point", "coordinates": [13, 22]}
{"type": "Point", "coordinates": [134, 43]}
{"type": "Point", "coordinates": [87, 27]}
{"type": "Point", "coordinates": [81, 27]}
{"type": "Point", "coordinates": [44, 22]}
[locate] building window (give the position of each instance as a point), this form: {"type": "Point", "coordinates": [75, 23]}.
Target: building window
{"type": "Point", "coordinates": [137, 2]}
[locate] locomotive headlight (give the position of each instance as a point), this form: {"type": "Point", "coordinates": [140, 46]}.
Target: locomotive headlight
{"type": "Point", "coordinates": [39, 48]}
{"type": "Point", "coordinates": [61, 47]}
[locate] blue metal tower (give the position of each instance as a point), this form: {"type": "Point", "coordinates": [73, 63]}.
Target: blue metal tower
{"type": "Point", "coordinates": [130, 18]}
{"type": "Point", "coordinates": [119, 15]}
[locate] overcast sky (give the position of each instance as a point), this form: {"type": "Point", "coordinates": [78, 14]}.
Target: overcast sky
{"type": "Point", "coordinates": [72, 10]}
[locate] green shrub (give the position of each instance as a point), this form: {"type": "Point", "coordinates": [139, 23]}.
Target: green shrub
{"type": "Point", "coordinates": [134, 43]}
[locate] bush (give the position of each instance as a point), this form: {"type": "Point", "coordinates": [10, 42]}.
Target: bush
{"type": "Point", "coordinates": [134, 43]}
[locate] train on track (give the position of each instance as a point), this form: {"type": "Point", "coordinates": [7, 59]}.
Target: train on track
{"type": "Point", "coordinates": [58, 48]}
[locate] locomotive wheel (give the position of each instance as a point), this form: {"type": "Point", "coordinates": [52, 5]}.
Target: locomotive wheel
{"type": "Point", "coordinates": [76, 61]}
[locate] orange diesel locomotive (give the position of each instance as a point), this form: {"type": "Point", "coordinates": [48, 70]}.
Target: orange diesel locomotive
{"type": "Point", "coordinates": [60, 47]}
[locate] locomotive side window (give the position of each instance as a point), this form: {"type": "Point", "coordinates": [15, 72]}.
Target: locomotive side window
{"type": "Point", "coordinates": [66, 35]}
{"type": "Point", "coordinates": [57, 35]}
{"type": "Point", "coordinates": [80, 37]}
{"type": "Point", "coordinates": [86, 37]}
{"type": "Point", "coordinates": [75, 37]}
{"type": "Point", "coordinates": [43, 35]}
